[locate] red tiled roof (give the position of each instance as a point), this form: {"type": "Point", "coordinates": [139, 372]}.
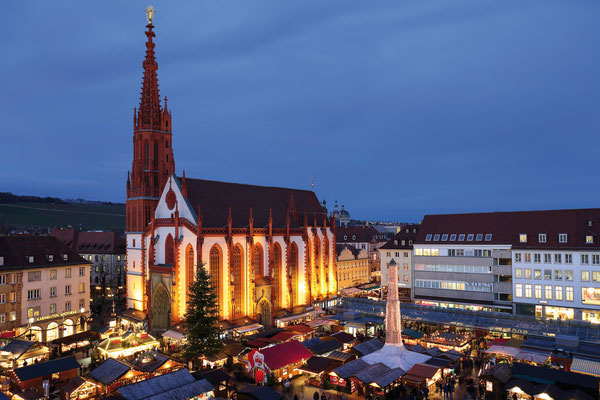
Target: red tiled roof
{"type": "Point", "coordinates": [215, 198]}
{"type": "Point", "coordinates": [284, 336]}
{"type": "Point", "coordinates": [284, 354]}
{"type": "Point", "coordinates": [423, 371]}
{"type": "Point", "coordinates": [91, 242]}
{"type": "Point", "coordinates": [16, 251]}
{"type": "Point", "coordinates": [396, 241]}
{"type": "Point", "coordinates": [302, 329]}
{"type": "Point", "coordinates": [505, 228]}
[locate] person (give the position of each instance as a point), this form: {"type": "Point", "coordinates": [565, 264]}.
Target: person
{"type": "Point", "coordinates": [295, 397]}
{"type": "Point", "coordinates": [451, 391]}
{"type": "Point", "coordinates": [323, 396]}
{"type": "Point", "coordinates": [426, 392]}
{"type": "Point", "coordinates": [316, 395]}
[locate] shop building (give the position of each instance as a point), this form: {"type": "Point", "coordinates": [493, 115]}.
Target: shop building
{"type": "Point", "coordinates": [363, 237]}
{"type": "Point", "coordinates": [400, 249]}
{"type": "Point", "coordinates": [353, 267]}
{"type": "Point", "coordinates": [46, 288]}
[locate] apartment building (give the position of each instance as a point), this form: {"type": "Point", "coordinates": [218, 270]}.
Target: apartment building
{"type": "Point", "coordinates": [50, 283]}
{"type": "Point", "coordinates": [363, 237]}
{"type": "Point", "coordinates": [556, 266]}
{"type": "Point", "coordinates": [400, 249]}
{"type": "Point", "coordinates": [353, 267]}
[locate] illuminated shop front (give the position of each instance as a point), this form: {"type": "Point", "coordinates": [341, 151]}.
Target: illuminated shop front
{"type": "Point", "coordinates": [469, 307]}
{"type": "Point", "coordinates": [592, 316]}
{"type": "Point", "coordinates": [562, 313]}
{"type": "Point", "coordinates": [590, 295]}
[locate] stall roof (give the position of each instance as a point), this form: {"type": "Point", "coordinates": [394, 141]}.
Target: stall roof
{"type": "Point", "coordinates": [584, 366]}
{"type": "Point", "coordinates": [326, 347]}
{"type": "Point", "coordinates": [388, 377]}
{"type": "Point", "coordinates": [301, 329]}
{"type": "Point", "coordinates": [451, 355]}
{"type": "Point", "coordinates": [532, 356]}
{"type": "Point", "coordinates": [175, 385]}
{"type": "Point", "coordinates": [109, 371]}
{"type": "Point", "coordinates": [551, 375]}
{"type": "Point", "coordinates": [310, 343]}
{"type": "Point", "coordinates": [214, 376]}
{"type": "Point", "coordinates": [343, 337]}
{"type": "Point", "coordinates": [284, 336]}
{"type": "Point", "coordinates": [371, 373]}
{"type": "Point", "coordinates": [284, 354]}
{"type": "Point", "coordinates": [423, 370]}
{"type": "Point", "coordinates": [261, 392]}
{"type": "Point", "coordinates": [341, 356]}
{"type": "Point", "coordinates": [368, 347]}
{"type": "Point", "coordinates": [438, 362]}
{"type": "Point", "coordinates": [261, 343]}
{"type": "Point", "coordinates": [317, 364]}
{"type": "Point", "coordinates": [417, 348]}
{"type": "Point", "coordinates": [46, 368]}
{"type": "Point", "coordinates": [234, 349]}
{"type": "Point", "coordinates": [350, 369]}
{"type": "Point", "coordinates": [78, 337]}
{"type": "Point", "coordinates": [172, 334]}
{"type": "Point", "coordinates": [133, 315]}
{"type": "Point", "coordinates": [503, 350]}
{"type": "Point", "coordinates": [17, 348]}
{"type": "Point", "coordinates": [413, 333]}
{"type": "Point", "coordinates": [434, 352]}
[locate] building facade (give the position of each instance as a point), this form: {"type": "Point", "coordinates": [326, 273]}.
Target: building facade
{"type": "Point", "coordinates": [400, 249]}
{"type": "Point", "coordinates": [353, 268]}
{"type": "Point", "coordinates": [50, 283]}
{"type": "Point", "coordinates": [106, 253]}
{"type": "Point", "coordinates": [363, 237]}
{"type": "Point", "coordinates": [266, 249]}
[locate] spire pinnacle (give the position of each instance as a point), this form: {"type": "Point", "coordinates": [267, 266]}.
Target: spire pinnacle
{"type": "Point", "coordinates": [150, 110]}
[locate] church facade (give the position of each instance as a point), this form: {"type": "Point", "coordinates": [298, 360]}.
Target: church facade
{"type": "Point", "coordinates": [266, 249]}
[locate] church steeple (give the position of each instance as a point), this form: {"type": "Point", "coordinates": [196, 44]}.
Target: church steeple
{"type": "Point", "coordinates": [153, 159]}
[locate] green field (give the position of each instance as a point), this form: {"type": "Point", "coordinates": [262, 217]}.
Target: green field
{"type": "Point", "coordinates": [49, 215]}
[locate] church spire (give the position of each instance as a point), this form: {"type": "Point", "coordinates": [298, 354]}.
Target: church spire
{"type": "Point", "coordinates": [150, 110]}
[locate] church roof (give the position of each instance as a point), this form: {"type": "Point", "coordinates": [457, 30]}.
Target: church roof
{"type": "Point", "coordinates": [215, 198]}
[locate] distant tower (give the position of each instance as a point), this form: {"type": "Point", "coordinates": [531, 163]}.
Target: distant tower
{"type": "Point", "coordinates": [153, 160]}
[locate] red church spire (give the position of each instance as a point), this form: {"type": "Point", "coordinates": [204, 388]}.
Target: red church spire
{"type": "Point", "coordinates": [150, 110]}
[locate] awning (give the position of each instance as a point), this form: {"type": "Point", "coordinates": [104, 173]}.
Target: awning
{"type": "Point", "coordinates": [171, 334]}
{"type": "Point", "coordinates": [585, 366]}
{"type": "Point", "coordinates": [133, 315]}
{"type": "Point", "coordinates": [538, 358]}
{"type": "Point", "coordinates": [248, 328]}
{"type": "Point", "coordinates": [320, 322]}
{"type": "Point", "coordinates": [503, 350]}
{"type": "Point", "coordinates": [294, 317]}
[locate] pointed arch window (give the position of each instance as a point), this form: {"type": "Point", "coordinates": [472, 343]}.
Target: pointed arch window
{"type": "Point", "coordinates": [169, 250]}
{"type": "Point", "coordinates": [146, 155]}
{"type": "Point", "coordinates": [215, 260]}
{"type": "Point", "coordinates": [189, 266]}
{"type": "Point", "coordinates": [257, 261]}
{"type": "Point", "coordinates": [277, 274]}
{"type": "Point", "coordinates": [237, 282]}
{"type": "Point", "coordinates": [294, 271]}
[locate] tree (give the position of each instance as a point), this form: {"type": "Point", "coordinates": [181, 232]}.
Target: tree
{"type": "Point", "coordinates": [201, 318]}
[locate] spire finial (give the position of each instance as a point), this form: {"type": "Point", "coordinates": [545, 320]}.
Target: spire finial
{"type": "Point", "coordinates": [150, 14]}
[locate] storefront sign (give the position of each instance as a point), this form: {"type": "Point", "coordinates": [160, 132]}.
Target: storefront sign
{"type": "Point", "coordinates": [53, 316]}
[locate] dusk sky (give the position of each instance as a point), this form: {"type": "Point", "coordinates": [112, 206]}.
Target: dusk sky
{"type": "Point", "coordinates": [398, 108]}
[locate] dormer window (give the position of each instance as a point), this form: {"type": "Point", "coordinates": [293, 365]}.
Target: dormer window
{"type": "Point", "coordinates": [396, 242]}
{"type": "Point", "coordinates": [50, 257]}
{"type": "Point", "coordinates": [479, 237]}
{"type": "Point", "coordinates": [414, 230]}
{"type": "Point", "coordinates": [488, 237]}
{"type": "Point", "coordinates": [589, 239]}
{"type": "Point", "coordinates": [407, 230]}
{"type": "Point", "coordinates": [1, 260]}
{"type": "Point", "coordinates": [453, 237]}
{"type": "Point", "coordinates": [470, 237]}
{"type": "Point", "coordinates": [542, 237]}
{"type": "Point", "coordinates": [436, 237]}
{"type": "Point", "coordinates": [410, 242]}
{"type": "Point", "coordinates": [590, 223]}
{"type": "Point", "coordinates": [345, 237]}
{"type": "Point", "coordinates": [444, 237]}
{"type": "Point", "coordinates": [30, 259]}
{"type": "Point", "coordinates": [523, 238]}
{"type": "Point", "coordinates": [461, 237]}
{"type": "Point", "coordinates": [353, 237]}
{"type": "Point", "coordinates": [65, 257]}
{"type": "Point", "coordinates": [428, 237]}
{"type": "Point", "coordinates": [403, 242]}
{"type": "Point", "coordinates": [563, 238]}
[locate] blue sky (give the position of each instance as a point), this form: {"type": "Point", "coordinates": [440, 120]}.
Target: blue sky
{"type": "Point", "coordinates": [398, 108]}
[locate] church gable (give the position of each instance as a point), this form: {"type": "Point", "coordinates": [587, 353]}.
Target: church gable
{"type": "Point", "coordinates": [172, 199]}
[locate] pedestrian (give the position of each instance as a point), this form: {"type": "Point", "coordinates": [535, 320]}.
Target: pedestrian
{"type": "Point", "coordinates": [316, 395]}
{"type": "Point", "coordinates": [323, 396]}
{"type": "Point", "coordinates": [426, 392]}
{"type": "Point", "coordinates": [451, 392]}
{"type": "Point", "coordinates": [295, 397]}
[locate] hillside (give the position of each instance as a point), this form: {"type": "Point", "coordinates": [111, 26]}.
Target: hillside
{"type": "Point", "coordinates": [40, 213]}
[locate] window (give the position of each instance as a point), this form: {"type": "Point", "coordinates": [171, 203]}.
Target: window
{"type": "Point", "coordinates": [558, 293]}
{"type": "Point", "coordinates": [568, 275]}
{"type": "Point", "coordinates": [479, 237]}
{"type": "Point", "coordinates": [547, 274]}
{"type": "Point", "coordinates": [65, 257]}
{"type": "Point", "coordinates": [3, 318]}
{"type": "Point", "coordinates": [518, 273]}
{"type": "Point", "coordinates": [2, 298]}
{"type": "Point", "coordinates": [34, 276]}
{"type": "Point", "coordinates": [53, 291]}
{"type": "Point", "coordinates": [453, 237]}
{"type": "Point", "coordinates": [517, 257]}
{"type": "Point", "coordinates": [30, 259]}
{"type": "Point", "coordinates": [388, 253]}
{"type": "Point", "coordinates": [33, 312]}
{"type": "Point", "coordinates": [558, 274]}
{"type": "Point", "coordinates": [33, 294]}
{"type": "Point", "coordinates": [96, 259]}
{"type": "Point", "coordinates": [537, 258]}
{"type": "Point", "coordinates": [81, 303]}
{"type": "Point", "coordinates": [406, 254]}
{"type": "Point", "coordinates": [537, 274]}
{"type": "Point", "coordinates": [562, 238]}
{"type": "Point", "coordinates": [103, 258]}
{"type": "Point", "coordinates": [1, 262]}
{"type": "Point", "coordinates": [585, 276]}
{"type": "Point", "coordinates": [461, 237]}
{"type": "Point", "coordinates": [13, 278]}
{"type": "Point", "coordinates": [568, 258]}
{"type": "Point", "coordinates": [82, 287]}
{"type": "Point", "coordinates": [548, 292]}
{"type": "Point", "coordinates": [444, 237]}
{"type": "Point", "coordinates": [13, 297]}
{"type": "Point", "coordinates": [81, 271]}
{"type": "Point", "coordinates": [585, 259]}
{"type": "Point", "coordinates": [436, 237]}
{"type": "Point", "coordinates": [53, 308]}
{"type": "Point", "coordinates": [12, 316]}
{"type": "Point", "coordinates": [528, 291]}
{"type": "Point", "coordinates": [596, 276]}
{"type": "Point", "coordinates": [527, 273]}
{"type": "Point", "coordinates": [67, 272]}
{"type": "Point", "coordinates": [538, 291]}
{"type": "Point", "coordinates": [569, 293]}
{"type": "Point", "coordinates": [595, 259]}
{"type": "Point", "coordinates": [2, 279]}
{"type": "Point", "coordinates": [527, 257]}
{"type": "Point", "coordinates": [53, 274]}
{"type": "Point", "coordinates": [67, 306]}
{"type": "Point", "coordinates": [488, 237]}
{"type": "Point", "coordinates": [428, 237]}
{"type": "Point", "coordinates": [67, 289]}
{"type": "Point", "coordinates": [523, 238]}
{"type": "Point", "coordinates": [547, 258]}
{"type": "Point", "coordinates": [519, 290]}
{"type": "Point", "coordinates": [589, 239]}
{"type": "Point", "coordinates": [50, 258]}
{"type": "Point", "coordinates": [541, 237]}
{"type": "Point", "coordinates": [558, 259]}
{"type": "Point", "coordinates": [470, 237]}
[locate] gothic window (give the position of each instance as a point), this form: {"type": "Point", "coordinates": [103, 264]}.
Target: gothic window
{"type": "Point", "coordinates": [169, 250]}
{"type": "Point", "coordinates": [155, 156]}
{"type": "Point", "coordinates": [237, 282]}
{"type": "Point", "coordinates": [189, 265]}
{"type": "Point", "coordinates": [146, 155]}
{"type": "Point", "coordinates": [215, 271]}
{"type": "Point", "coordinates": [257, 261]}
{"type": "Point", "coordinates": [294, 270]}
{"type": "Point", "coordinates": [277, 274]}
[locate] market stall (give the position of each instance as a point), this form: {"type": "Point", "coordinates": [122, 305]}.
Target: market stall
{"type": "Point", "coordinates": [449, 340]}
{"type": "Point", "coordinates": [127, 344]}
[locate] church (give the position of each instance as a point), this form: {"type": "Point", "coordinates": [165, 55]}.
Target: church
{"type": "Point", "coordinates": [266, 249]}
